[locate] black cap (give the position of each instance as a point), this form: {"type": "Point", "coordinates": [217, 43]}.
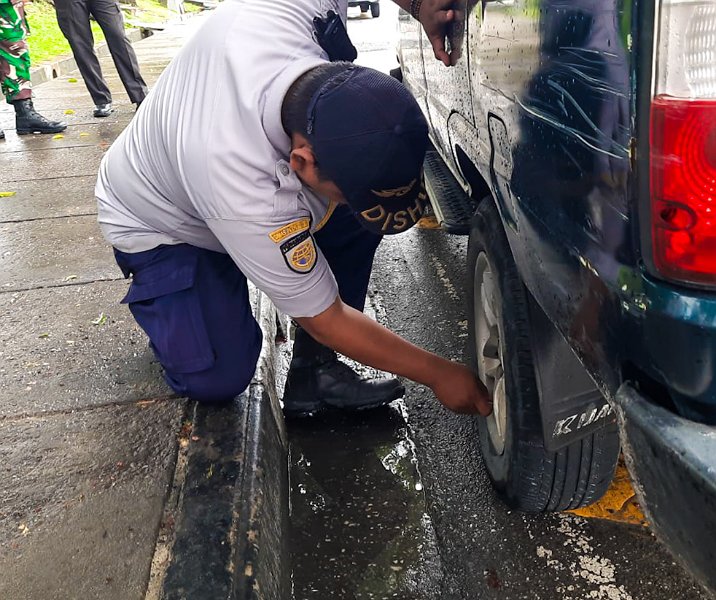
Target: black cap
{"type": "Point", "coordinates": [369, 137]}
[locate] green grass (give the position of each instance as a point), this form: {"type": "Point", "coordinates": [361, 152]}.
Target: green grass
{"type": "Point", "coordinates": [151, 11]}
{"type": "Point", "coordinates": [47, 42]}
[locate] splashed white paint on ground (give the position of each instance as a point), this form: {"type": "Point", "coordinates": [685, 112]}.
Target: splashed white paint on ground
{"type": "Point", "coordinates": [591, 569]}
{"type": "Point", "coordinates": [444, 279]}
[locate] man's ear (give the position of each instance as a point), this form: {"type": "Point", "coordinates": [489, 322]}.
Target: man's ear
{"type": "Point", "coordinates": [302, 160]}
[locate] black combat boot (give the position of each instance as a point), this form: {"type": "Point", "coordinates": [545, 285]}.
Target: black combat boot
{"type": "Point", "coordinates": [318, 381]}
{"type": "Point", "coordinates": [28, 120]}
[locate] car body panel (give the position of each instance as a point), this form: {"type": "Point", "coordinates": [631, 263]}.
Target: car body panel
{"type": "Point", "coordinates": [547, 114]}
{"type": "Point", "coordinates": [677, 478]}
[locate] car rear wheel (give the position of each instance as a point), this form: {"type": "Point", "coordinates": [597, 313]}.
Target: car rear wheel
{"type": "Point", "coordinates": [375, 10]}
{"type": "Point", "coordinates": [526, 475]}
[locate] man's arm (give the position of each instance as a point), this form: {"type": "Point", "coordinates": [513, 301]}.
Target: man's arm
{"type": "Point", "coordinates": [359, 337]}
{"type": "Point", "coordinates": [435, 16]}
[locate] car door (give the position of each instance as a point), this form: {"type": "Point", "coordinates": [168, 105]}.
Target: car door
{"type": "Point", "coordinates": [448, 88]}
{"type": "Point", "coordinates": [411, 59]}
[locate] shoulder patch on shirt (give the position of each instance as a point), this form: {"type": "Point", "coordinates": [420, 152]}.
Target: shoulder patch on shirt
{"type": "Point", "coordinates": [300, 252]}
{"type": "Point", "coordinates": [280, 234]}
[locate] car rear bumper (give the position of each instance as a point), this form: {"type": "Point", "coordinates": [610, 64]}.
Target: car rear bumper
{"type": "Point", "coordinates": [675, 345]}
{"type": "Point", "coordinates": [673, 463]}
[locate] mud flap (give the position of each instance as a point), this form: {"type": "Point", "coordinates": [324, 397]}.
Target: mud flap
{"type": "Point", "coordinates": [572, 406]}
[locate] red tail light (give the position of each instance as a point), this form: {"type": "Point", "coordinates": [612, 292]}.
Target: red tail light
{"type": "Point", "coordinates": [683, 188]}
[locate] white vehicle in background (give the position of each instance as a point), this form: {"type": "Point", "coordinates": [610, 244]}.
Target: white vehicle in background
{"type": "Point", "coordinates": [373, 6]}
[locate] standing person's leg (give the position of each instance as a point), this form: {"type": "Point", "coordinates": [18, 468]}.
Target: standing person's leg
{"type": "Point", "coordinates": [15, 72]}
{"type": "Point", "coordinates": [14, 54]}
{"type": "Point", "coordinates": [194, 306]}
{"type": "Point", "coordinates": [73, 19]}
{"type": "Point", "coordinates": [316, 378]}
{"type": "Point", "coordinates": [109, 16]}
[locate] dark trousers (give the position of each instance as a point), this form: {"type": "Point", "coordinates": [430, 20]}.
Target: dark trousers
{"type": "Point", "coordinates": [73, 17]}
{"type": "Point", "coordinates": [194, 306]}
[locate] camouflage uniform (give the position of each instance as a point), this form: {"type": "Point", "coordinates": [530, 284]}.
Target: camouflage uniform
{"type": "Point", "coordinates": [15, 71]}
{"type": "Point", "coordinates": [14, 53]}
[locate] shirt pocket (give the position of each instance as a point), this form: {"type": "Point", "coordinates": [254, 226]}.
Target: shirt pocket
{"type": "Point", "coordinates": [285, 200]}
{"type": "Point", "coordinates": [166, 305]}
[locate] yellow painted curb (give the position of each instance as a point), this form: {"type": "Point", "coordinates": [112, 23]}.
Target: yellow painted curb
{"type": "Point", "coordinates": [618, 504]}
{"type": "Point", "coordinates": [428, 223]}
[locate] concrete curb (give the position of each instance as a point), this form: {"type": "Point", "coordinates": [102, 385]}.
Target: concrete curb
{"type": "Point", "coordinates": [231, 536]}
{"type": "Point", "coordinates": [66, 64]}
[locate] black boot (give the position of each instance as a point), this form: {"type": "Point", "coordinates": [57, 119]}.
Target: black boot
{"type": "Point", "coordinates": [318, 381]}
{"type": "Point", "coordinates": [28, 120]}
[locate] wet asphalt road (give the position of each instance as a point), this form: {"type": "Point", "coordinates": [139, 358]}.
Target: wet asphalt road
{"type": "Point", "coordinates": [397, 503]}
{"type": "Point", "coordinates": [390, 507]}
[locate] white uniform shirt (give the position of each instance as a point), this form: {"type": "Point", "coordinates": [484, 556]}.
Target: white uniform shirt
{"type": "Point", "coordinates": [205, 160]}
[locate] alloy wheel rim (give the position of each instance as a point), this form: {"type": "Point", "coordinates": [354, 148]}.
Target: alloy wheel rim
{"type": "Point", "coordinates": [489, 351]}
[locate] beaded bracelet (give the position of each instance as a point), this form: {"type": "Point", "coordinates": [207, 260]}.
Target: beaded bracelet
{"type": "Point", "coordinates": [415, 9]}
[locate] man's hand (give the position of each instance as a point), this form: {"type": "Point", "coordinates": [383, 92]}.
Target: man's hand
{"type": "Point", "coordinates": [435, 17]}
{"type": "Point", "coordinates": [458, 389]}
{"type": "Point", "coordinates": [352, 333]}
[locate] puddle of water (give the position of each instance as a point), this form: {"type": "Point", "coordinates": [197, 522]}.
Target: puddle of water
{"type": "Point", "coordinates": [360, 529]}
{"type": "Point", "coordinates": [359, 524]}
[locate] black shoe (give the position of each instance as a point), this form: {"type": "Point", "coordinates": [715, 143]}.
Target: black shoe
{"type": "Point", "coordinates": [103, 110]}
{"type": "Point", "coordinates": [317, 381]}
{"type": "Point", "coordinates": [2, 134]}
{"type": "Point", "coordinates": [28, 120]}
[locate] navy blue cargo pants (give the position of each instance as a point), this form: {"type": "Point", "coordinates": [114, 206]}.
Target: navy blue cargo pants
{"type": "Point", "coordinates": [194, 306]}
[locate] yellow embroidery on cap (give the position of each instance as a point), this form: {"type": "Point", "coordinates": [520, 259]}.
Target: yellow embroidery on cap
{"type": "Point", "coordinates": [280, 234]}
{"type": "Point", "coordinates": [395, 222]}
{"type": "Point", "coordinates": [331, 207]}
{"type": "Point", "coordinates": [399, 191]}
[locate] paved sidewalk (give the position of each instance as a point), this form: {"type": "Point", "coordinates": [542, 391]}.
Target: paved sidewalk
{"type": "Point", "coordinates": [107, 481]}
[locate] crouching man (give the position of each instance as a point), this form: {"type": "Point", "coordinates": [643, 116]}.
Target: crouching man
{"type": "Point", "coordinates": [254, 157]}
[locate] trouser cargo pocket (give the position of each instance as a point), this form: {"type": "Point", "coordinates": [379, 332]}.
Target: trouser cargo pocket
{"type": "Point", "coordinates": [165, 303]}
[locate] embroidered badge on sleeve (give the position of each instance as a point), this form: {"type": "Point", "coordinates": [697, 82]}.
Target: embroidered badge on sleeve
{"type": "Point", "coordinates": [300, 252]}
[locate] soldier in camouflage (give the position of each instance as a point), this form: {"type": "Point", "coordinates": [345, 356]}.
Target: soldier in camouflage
{"type": "Point", "coordinates": [15, 71]}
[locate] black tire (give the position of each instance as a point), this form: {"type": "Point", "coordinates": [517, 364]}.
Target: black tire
{"type": "Point", "coordinates": [526, 476]}
{"type": "Point", "coordinates": [364, 7]}
{"type": "Point", "coordinates": [375, 10]}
